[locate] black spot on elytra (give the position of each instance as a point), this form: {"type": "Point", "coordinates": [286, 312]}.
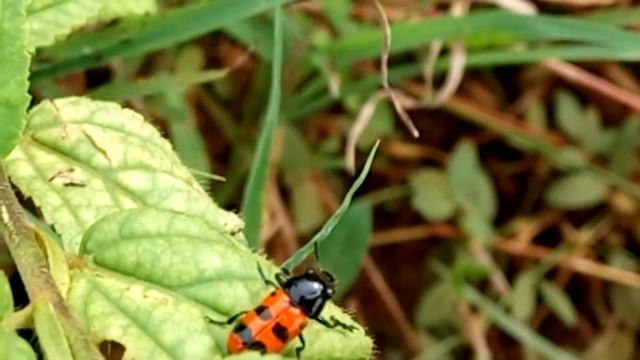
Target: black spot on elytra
{"type": "Point", "coordinates": [281, 332]}
{"type": "Point", "coordinates": [263, 312]}
{"type": "Point", "coordinates": [258, 346]}
{"type": "Point", "coordinates": [244, 333]}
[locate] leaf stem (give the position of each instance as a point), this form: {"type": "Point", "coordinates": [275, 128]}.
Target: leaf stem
{"type": "Point", "coordinates": [34, 270]}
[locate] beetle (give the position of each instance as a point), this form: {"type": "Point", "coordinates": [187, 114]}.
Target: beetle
{"type": "Point", "coordinates": [283, 313]}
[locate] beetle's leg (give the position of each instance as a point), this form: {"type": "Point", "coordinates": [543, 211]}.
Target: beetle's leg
{"type": "Point", "coordinates": [301, 347]}
{"type": "Point", "coordinates": [229, 321]}
{"type": "Point", "coordinates": [334, 323]}
{"type": "Point", "coordinates": [265, 279]}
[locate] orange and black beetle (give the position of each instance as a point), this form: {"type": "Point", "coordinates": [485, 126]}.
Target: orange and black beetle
{"type": "Point", "coordinates": [283, 314]}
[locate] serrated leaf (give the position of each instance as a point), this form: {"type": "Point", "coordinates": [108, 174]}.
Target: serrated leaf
{"type": "Point", "coordinates": [152, 263]}
{"type": "Point", "coordinates": [431, 195]}
{"type": "Point", "coordinates": [49, 21]}
{"type": "Point", "coordinates": [559, 302]}
{"type": "Point", "coordinates": [471, 185]}
{"type": "Point", "coordinates": [114, 9]}
{"type": "Point", "coordinates": [576, 191]}
{"type": "Point", "coordinates": [51, 336]}
{"type": "Point", "coordinates": [150, 323]}
{"type": "Point", "coordinates": [81, 160]}
{"type": "Point", "coordinates": [13, 347]}
{"type": "Point", "coordinates": [346, 246]}
{"type": "Point", "coordinates": [6, 296]}
{"type": "Point", "coordinates": [14, 73]}
{"type": "Point", "coordinates": [523, 294]}
{"type": "Point", "coordinates": [437, 306]}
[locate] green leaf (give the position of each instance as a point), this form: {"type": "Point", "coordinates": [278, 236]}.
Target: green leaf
{"type": "Point", "coordinates": [576, 191]}
{"type": "Point", "coordinates": [145, 35]}
{"type": "Point", "coordinates": [471, 185]}
{"type": "Point", "coordinates": [568, 114]}
{"type": "Point", "coordinates": [81, 160]}
{"type": "Point", "coordinates": [13, 347]}
{"type": "Point", "coordinates": [431, 195]}
{"type": "Point", "coordinates": [114, 9]}
{"type": "Point", "coordinates": [322, 235]}
{"type": "Point", "coordinates": [14, 72]}
{"type": "Point", "coordinates": [253, 192]}
{"type": "Point", "coordinates": [437, 306]}
{"type": "Point", "coordinates": [52, 20]}
{"type": "Point", "coordinates": [51, 336]}
{"type": "Point", "coordinates": [523, 294]}
{"type": "Point", "coordinates": [348, 243]}
{"type": "Point", "coordinates": [559, 302]}
{"type": "Point", "coordinates": [155, 302]}
{"type": "Point", "coordinates": [6, 296]}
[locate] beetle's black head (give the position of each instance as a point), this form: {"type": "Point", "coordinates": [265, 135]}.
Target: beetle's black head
{"type": "Point", "coordinates": [310, 291]}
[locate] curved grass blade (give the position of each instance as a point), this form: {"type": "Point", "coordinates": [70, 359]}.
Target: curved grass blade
{"type": "Point", "coordinates": [252, 197]}
{"type": "Point", "coordinates": [321, 235]}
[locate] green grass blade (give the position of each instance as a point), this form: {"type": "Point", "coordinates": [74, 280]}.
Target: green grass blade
{"type": "Point", "coordinates": [253, 192]}
{"type": "Point", "coordinates": [514, 328]}
{"type": "Point", "coordinates": [483, 29]}
{"type": "Point", "coordinates": [324, 233]}
{"type": "Point", "coordinates": [14, 67]}
{"type": "Point", "coordinates": [144, 35]}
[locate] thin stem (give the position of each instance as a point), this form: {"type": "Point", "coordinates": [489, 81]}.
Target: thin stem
{"type": "Point", "coordinates": [34, 270]}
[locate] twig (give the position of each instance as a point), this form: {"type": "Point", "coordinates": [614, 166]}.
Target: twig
{"type": "Point", "coordinates": [34, 270]}
{"type": "Point", "coordinates": [576, 75]}
{"type": "Point", "coordinates": [393, 306]}
{"type": "Point", "coordinates": [475, 328]}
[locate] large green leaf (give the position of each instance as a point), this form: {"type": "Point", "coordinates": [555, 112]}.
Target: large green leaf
{"type": "Point", "coordinates": [81, 160]}
{"type": "Point", "coordinates": [14, 70]}
{"type": "Point", "coordinates": [52, 20]}
{"type": "Point", "coordinates": [157, 273]}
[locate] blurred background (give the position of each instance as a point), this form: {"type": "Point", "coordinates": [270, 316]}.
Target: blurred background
{"type": "Point", "coordinates": [507, 229]}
